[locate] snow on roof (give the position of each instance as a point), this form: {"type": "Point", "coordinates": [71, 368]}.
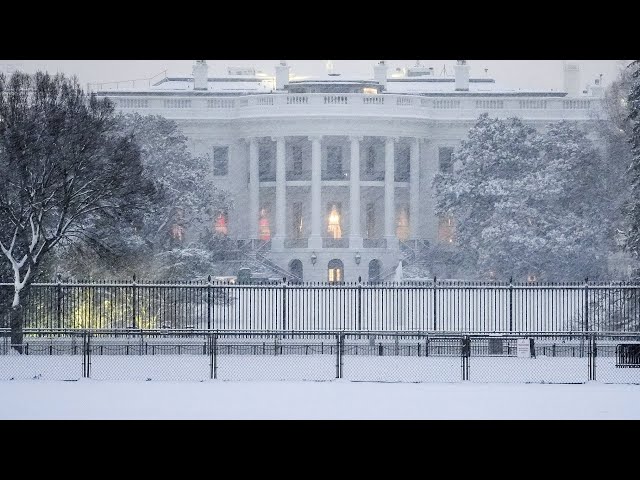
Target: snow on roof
{"type": "Point", "coordinates": [231, 83]}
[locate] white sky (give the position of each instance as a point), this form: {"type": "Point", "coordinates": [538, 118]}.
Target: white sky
{"type": "Point", "coordinates": [526, 74]}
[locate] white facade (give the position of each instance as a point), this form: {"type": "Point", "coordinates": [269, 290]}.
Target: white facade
{"type": "Point", "coordinates": [368, 149]}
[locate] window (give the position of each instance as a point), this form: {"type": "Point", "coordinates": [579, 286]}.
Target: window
{"type": "Point", "coordinates": [334, 162]}
{"type": "Point", "coordinates": [335, 271]}
{"type": "Point", "coordinates": [402, 165]}
{"type": "Point", "coordinates": [333, 220]}
{"type": "Point", "coordinates": [264, 226]}
{"type": "Point", "coordinates": [402, 225]}
{"type": "Point", "coordinates": [371, 220]}
{"type": "Point", "coordinates": [265, 155]}
{"type": "Point", "coordinates": [446, 230]}
{"type": "Point", "coordinates": [220, 224]}
{"type": "Point", "coordinates": [445, 159]}
{"type": "Point", "coordinates": [371, 161]}
{"type": "Point", "coordinates": [297, 220]}
{"type": "Point", "coordinates": [296, 152]}
{"type": "Point", "coordinates": [220, 161]}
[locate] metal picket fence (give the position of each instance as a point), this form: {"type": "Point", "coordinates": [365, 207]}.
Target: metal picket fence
{"type": "Point", "coordinates": [382, 356]}
{"type": "Point", "coordinates": [408, 306]}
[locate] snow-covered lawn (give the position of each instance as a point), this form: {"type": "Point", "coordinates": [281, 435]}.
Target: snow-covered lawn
{"type": "Point", "coordinates": [338, 399]}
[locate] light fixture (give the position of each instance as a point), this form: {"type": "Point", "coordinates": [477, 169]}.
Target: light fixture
{"type": "Point", "coordinates": [358, 258]}
{"type": "Point", "coordinates": [314, 258]}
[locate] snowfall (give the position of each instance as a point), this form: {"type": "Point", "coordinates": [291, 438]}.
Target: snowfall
{"type": "Point", "coordinates": [336, 399]}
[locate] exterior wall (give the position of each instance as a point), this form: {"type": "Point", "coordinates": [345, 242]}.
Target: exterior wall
{"type": "Point", "coordinates": [433, 122]}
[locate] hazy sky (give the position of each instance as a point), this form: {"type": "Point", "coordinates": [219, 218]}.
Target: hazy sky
{"type": "Point", "coordinates": [527, 74]}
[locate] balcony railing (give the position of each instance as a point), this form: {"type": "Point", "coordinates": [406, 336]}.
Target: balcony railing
{"type": "Point", "coordinates": [328, 242]}
{"type": "Point", "coordinates": [541, 106]}
{"type": "Point", "coordinates": [267, 176]}
{"type": "Point", "coordinates": [296, 242]}
{"type": "Point", "coordinates": [299, 175]}
{"type": "Point", "coordinates": [335, 175]}
{"type": "Point", "coordinates": [374, 242]}
{"type": "Point", "coordinates": [372, 176]}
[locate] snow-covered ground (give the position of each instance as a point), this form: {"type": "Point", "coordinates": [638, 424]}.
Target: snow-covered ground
{"type": "Point", "coordinates": [338, 399]}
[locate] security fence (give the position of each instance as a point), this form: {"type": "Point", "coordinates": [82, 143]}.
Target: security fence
{"type": "Point", "coordinates": [383, 356]}
{"type": "Point", "coordinates": [408, 306]}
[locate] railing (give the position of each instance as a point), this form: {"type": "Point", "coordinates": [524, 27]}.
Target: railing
{"type": "Point", "coordinates": [374, 243]}
{"type": "Point", "coordinates": [285, 354]}
{"type": "Point", "coordinates": [335, 175]}
{"type": "Point", "coordinates": [304, 175]}
{"type": "Point", "coordinates": [328, 242]}
{"type": "Point", "coordinates": [415, 106]}
{"type": "Point", "coordinates": [372, 176]}
{"type": "Point", "coordinates": [296, 242]}
{"type": "Point", "coordinates": [435, 306]}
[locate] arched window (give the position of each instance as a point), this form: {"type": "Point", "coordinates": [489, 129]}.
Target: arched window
{"type": "Point", "coordinates": [336, 271]}
{"type": "Point", "coordinates": [374, 270]}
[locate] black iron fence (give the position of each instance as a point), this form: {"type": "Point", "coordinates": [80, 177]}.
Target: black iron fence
{"type": "Point", "coordinates": [388, 356]}
{"type": "Point", "coordinates": [414, 306]}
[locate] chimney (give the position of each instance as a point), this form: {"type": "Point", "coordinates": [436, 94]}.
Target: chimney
{"type": "Point", "coordinates": [461, 70]}
{"type": "Point", "coordinates": [380, 74]}
{"type": "Point", "coordinates": [200, 75]}
{"type": "Point", "coordinates": [282, 75]}
{"type": "Point", "coordinates": [571, 79]}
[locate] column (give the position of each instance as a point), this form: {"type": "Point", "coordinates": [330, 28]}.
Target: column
{"type": "Point", "coordinates": [389, 193]}
{"type": "Point", "coordinates": [414, 190]}
{"type": "Point", "coordinates": [254, 190]}
{"type": "Point", "coordinates": [277, 242]}
{"type": "Point", "coordinates": [355, 239]}
{"type": "Point", "coordinates": [315, 240]}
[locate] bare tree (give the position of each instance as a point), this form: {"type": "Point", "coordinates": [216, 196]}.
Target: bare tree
{"type": "Point", "coordinates": [63, 166]}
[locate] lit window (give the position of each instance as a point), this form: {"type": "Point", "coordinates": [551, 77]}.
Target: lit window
{"type": "Point", "coordinates": [402, 228]}
{"type": "Point", "coordinates": [265, 229]}
{"type": "Point", "coordinates": [334, 228]}
{"type": "Point", "coordinates": [177, 232]}
{"type": "Point", "coordinates": [220, 224]}
{"type": "Point", "coordinates": [369, 91]}
{"type": "Point", "coordinates": [297, 220]}
{"type": "Point", "coordinates": [446, 230]}
{"type": "Point", "coordinates": [220, 161]}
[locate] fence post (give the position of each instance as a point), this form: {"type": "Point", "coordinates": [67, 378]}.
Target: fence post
{"type": "Point", "coordinates": [209, 303]}
{"type": "Point", "coordinates": [594, 353]}
{"type": "Point", "coordinates": [586, 304]}
{"type": "Point", "coordinates": [359, 303]}
{"type": "Point", "coordinates": [134, 308]}
{"type": "Point", "coordinates": [84, 354]}
{"type": "Point", "coordinates": [214, 355]}
{"type": "Point", "coordinates": [435, 304]}
{"type": "Point", "coordinates": [511, 304]}
{"type": "Point", "coordinates": [466, 353]}
{"type": "Point", "coordinates": [284, 303]}
{"type": "Point", "coordinates": [338, 356]}
{"type": "Point", "coordinates": [59, 300]}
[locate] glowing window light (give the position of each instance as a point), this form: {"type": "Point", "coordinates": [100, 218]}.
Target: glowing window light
{"type": "Point", "coordinates": [334, 223]}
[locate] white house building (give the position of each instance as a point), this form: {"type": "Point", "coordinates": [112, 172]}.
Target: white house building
{"type": "Point", "coordinates": [331, 176]}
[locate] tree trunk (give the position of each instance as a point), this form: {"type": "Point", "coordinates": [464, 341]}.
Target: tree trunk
{"type": "Point", "coordinates": [16, 318]}
{"type": "Point", "coordinates": [17, 334]}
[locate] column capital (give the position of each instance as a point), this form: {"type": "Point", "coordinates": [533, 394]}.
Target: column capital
{"type": "Point", "coordinates": [278, 138]}
{"type": "Point", "coordinates": [315, 137]}
{"type": "Point", "coordinates": [356, 138]}
{"type": "Point", "coordinates": [393, 139]}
